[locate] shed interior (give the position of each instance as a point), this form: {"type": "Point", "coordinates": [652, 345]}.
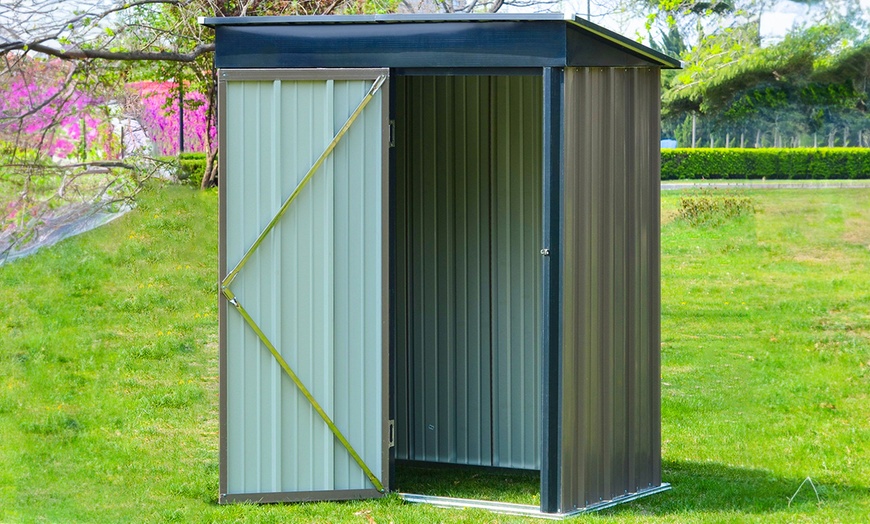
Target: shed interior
{"type": "Point", "coordinates": [467, 309]}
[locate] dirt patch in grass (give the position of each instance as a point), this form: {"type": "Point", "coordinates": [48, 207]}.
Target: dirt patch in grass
{"type": "Point", "coordinates": [857, 231]}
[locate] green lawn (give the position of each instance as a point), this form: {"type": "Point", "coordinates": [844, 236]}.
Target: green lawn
{"type": "Point", "coordinates": [108, 372]}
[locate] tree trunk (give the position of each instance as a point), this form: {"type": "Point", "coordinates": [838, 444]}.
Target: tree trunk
{"type": "Point", "coordinates": [742, 142]}
{"type": "Point", "coordinates": [180, 116]}
{"type": "Point", "coordinates": [831, 137]}
{"type": "Point", "coordinates": [845, 136]}
{"type": "Point", "coordinates": [727, 139]}
{"type": "Point", "coordinates": [210, 177]}
{"type": "Point", "coordinates": [815, 140]}
{"type": "Point", "coordinates": [757, 138]}
{"type": "Point", "coordinates": [693, 130]}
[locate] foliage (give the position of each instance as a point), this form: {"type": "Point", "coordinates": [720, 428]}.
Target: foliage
{"type": "Point", "coordinates": [189, 167]}
{"type": "Point", "coordinates": [106, 45]}
{"type": "Point", "coordinates": [787, 163]}
{"type": "Point", "coordinates": [678, 23]}
{"type": "Point", "coordinates": [712, 207]}
{"type": "Point", "coordinates": [815, 81]}
{"type": "Point", "coordinates": [765, 355]}
{"type": "Point", "coordinates": [175, 24]}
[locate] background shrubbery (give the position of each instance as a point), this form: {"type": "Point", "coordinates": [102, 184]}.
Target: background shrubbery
{"type": "Point", "coordinates": [712, 207]}
{"type": "Point", "coordinates": [779, 163]}
{"type": "Point", "coordinates": [190, 167]}
{"type": "Point", "coordinates": [696, 164]}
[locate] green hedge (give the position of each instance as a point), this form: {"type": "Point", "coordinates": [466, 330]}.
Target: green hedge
{"type": "Point", "coordinates": [770, 163]}
{"type": "Point", "coordinates": [703, 163]}
{"type": "Point", "coordinates": [191, 167]}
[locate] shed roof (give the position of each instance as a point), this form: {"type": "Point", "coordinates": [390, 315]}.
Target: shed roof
{"type": "Point", "coordinates": [426, 41]}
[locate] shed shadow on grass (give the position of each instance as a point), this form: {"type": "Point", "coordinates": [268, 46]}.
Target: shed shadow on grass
{"type": "Point", "coordinates": [714, 487]}
{"type": "Point", "coordinates": [696, 487]}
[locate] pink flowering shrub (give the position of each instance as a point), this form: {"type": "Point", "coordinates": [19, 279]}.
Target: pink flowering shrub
{"type": "Point", "coordinates": [40, 112]}
{"type": "Point", "coordinates": [158, 115]}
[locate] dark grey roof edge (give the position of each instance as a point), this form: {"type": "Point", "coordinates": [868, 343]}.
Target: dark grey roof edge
{"type": "Point", "coordinates": [368, 19]}
{"type": "Point", "coordinates": [622, 41]}
{"type": "Point", "coordinates": [571, 18]}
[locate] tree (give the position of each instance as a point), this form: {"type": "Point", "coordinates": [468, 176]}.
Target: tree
{"type": "Point", "coordinates": [63, 68]}
{"type": "Point", "coordinates": [124, 40]}
{"type": "Point", "coordinates": [814, 81]}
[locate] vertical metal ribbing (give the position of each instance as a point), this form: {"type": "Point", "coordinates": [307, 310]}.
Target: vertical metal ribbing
{"type": "Point", "coordinates": [275, 375]}
{"type": "Point", "coordinates": [443, 148]}
{"type": "Point", "coordinates": [516, 262]}
{"type": "Point", "coordinates": [634, 210]}
{"type": "Point", "coordinates": [334, 458]}
{"type": "Point", "coordinates": [611, 302]}
{"type": "Point", "coordinates": [403, 300]}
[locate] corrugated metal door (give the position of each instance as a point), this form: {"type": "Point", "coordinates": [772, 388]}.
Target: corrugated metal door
{"type": "Point", "coordinates": [304, 358]}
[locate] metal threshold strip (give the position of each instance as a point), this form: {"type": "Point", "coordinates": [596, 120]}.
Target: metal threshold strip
{"type": "Point", "coordinates": [526, 510]}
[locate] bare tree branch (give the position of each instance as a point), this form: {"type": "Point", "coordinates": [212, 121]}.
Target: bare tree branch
{"type": "Point", "coordinates": [36, 108]}
{"type": "Point", "coordinates": [84, 54]}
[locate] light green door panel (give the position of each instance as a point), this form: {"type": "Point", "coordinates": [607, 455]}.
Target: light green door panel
{"type": "Point", "coordinates": [314, 285]}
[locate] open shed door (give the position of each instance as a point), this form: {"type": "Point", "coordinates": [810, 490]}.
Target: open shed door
{"type": "Point", "coordinates": [304, 307]}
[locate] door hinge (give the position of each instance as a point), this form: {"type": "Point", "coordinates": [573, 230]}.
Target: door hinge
{"type": "Point", "coordinates": [392, 133]}
{"type": "Point", "coordinates": [392, 433]}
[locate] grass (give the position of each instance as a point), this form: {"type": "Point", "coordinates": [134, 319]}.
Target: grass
{"type": "Point", "coordinates": [470, 482]}
{"type": "Point", "coordinates": [108, 373]}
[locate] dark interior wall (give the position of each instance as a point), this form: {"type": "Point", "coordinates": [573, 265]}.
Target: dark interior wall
{"type": "Point", "coordinates": [468, 270]}
{"type": "Point", "coordinates": [611, 420]}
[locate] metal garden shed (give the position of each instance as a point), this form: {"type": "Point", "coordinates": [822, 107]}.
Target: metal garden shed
{"type": "Point", "coordinates": [439, 242]}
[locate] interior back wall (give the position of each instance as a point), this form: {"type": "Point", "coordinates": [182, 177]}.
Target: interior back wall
{"type": "Point", "coordinates": [468, 272]}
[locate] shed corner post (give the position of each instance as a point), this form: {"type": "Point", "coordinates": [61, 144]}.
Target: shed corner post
{"type": "Point", "coordinates": [551, 332]}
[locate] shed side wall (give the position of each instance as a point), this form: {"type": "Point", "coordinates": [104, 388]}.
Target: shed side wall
{"type": "Point", "coordinates": [611, 387]}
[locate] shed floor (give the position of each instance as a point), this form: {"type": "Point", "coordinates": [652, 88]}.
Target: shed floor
{"type": "Point", "coordinates": [483, 483]}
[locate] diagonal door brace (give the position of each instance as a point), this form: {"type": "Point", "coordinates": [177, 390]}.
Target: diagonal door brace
{"type": "Point", "coordinates": [230, 296]}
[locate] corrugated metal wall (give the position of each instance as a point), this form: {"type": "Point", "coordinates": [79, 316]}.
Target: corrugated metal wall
{"type": "Point", "coordinates": [516, 278]}
{"type": "Point", "coordinates": [468, 303]}
{"type": "Point", "coordinates": [315, 286]}
{"type": "Point", "coordinates": [611, 399]}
